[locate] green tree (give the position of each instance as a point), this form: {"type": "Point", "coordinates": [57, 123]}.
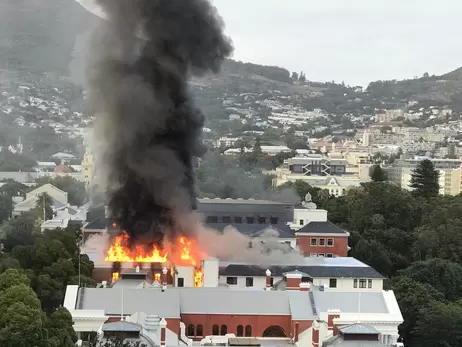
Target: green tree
{"type": "Point", "coordinates": [378, 175]}
{"type": "Point", "coordinates": [59, 326]}
{"type": "Point", "coordinates": [11, 278]}
{"type": "Point", "coordinates": [412, 297]}
{"type": "Point", "coordinates": [21, 321]}
{"type": "Point", "coordinates": [18, 231]}
{"type": "Point", "coordinates": [439, 325]}
{"type": "Point", "coordinates": [424, 179]}
{"type": "Point", "coordinates": [43, 207]}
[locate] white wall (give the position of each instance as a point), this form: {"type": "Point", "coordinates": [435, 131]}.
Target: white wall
{"type": "Point", "coordinates": [346, 285]}
{"type": "Point", "coordinates": [258, 282]}
{"type": "Point", "coordinates": [210, 268]}
{"type": "Point", "coordinates": [187, 273]}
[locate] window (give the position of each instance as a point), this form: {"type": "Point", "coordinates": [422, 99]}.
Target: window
{"type": "Point", "coordinates": [369, 283]}
{"type": "Point", "coordinates": [329, 255]}
{"type": "Point", "coordinates": [261, 220]}
{"type": "Point", "coordinates": [224, 330]}
{"type": "Point", "coordinates": [330, 242]}
{"type": "Point", "coordinates": [355, 283]}
{"type": "Point", "coordinates": [301, 221]}
{"type": "Point", "coordinates": [250, 220]}
{"type": "Point", "coordinates": [231, 280]}
{"type": "Point", "coordinates": [191, 332]}
{"type": "Point", "coordinates": [180, 282]}
{"type": "Point", "coordinates": [274, 220]}
{"type": "Point", "coordinates": [249, 281]}
{"type": "Point", "coordinates": [226, 219]}
{"type": "Point", "coordinates": [212, 219]}
{"type": "Point", "coordinates": [248, 331]}
{"type": "Point", "coordinates": [240, 330]}
{"type": "Point", "coordinates": [215, 330]}
{"type": "Point", "coordinates": [238, 220]}
{"type": "Point", "coordinates": [271, 281]}
{"type": "Point", "coordinates": [362, 283]}
{"type": "Point", "coordinates": [320, 254]}
{"type": "Point", "coordinates": [322, 242]}
{"type": "Point", "coordinates": [333, 283]}
{"type": "Point", "coordinates": [314, 242]}
{"type": "Point", "coordinates": [200, 330]}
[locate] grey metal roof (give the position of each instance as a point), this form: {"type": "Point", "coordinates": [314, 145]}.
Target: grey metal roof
{"type": "Point", "coordinates": [122, 326]}
{"type": "Point", "coordinates": [358, 329]}
{"type": "Point", "coordinates": [300, 305]}
{"type": "Point", "coordinates": [153, 301]}
{"type": "Point", "coordinates": [223, 301]}
{"type": "Point", "coordinates": [371, 302]}
{"type": "Point", "coordinates": [321, 228]}
{"type": "Point", "coordinates": [337, 341]}
{"type": "Point", "coordinates": [296, 272]}
{"type": "Point", "coordinates": [313, 271]}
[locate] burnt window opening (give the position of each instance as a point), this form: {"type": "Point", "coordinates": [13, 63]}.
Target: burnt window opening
{"type": "Point", "coordinates": [215, 330]}
{"type": "Point", "coordinates": [226, 219]}
{"type": "Point", "coordinates": [180, 282]}
{"type": "Point", "coordinates": [271, 281]}
{"type": "Point", "coordinates": [199, 330]}
{"type": "Point", "coordinates": [240, 330]}
{"type": "Point", "coordinates": [224, 330]}
{"type": "Point", "coordinates": [231, 280]}
{"type": "Point", "coordinates": [238, 220]}
{"type": "Point", "coordinates": [250, 220]}
{"type": "Point", "coordinates": [212, 219]}
{"type": "Point", "coordinates": [261, 220]}
{"type": "Point", "coordinates": [249, 281]}
{"type": "Point", "coordinates": [274, 220]}
{"type": "Point", "coordinates": [333, 283]}
{"type": "Point", "coordinates": [191, 330]}
{"type": "Point", "coordinates": [248, 331]}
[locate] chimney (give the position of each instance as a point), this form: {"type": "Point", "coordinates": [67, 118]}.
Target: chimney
{"type": "Point", "coordinates": [331, 315]}
{"type": "Point", "coordinates": [137, 269]}
{"type": "Point", "coordinates": [297, 329]}
{"type": "Point", "coordinates": [293, 280]}
{"type": "Point", "coordinates": [164, 278]}
{"type": "Point", "coordinates": [315, 334]}
{"type": "Point", "coordinates": [268, 280]}
{"type": "Point", "coordinates": [305, 286]}
{"type": "Point", "coordinates": [163, 332]}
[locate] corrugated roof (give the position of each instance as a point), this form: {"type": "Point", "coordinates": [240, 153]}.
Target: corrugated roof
{"type": "Point", "coordinates": [371, 302]}
{"type": "Point", "coordinates": [358, 329]}
{"type": "Point", "coordinates": [153, 301]}
{"type": "Point", "coordinates": [321, 228]}
{"type": "Point", "coordinates": [255, 230]}
{"type": "Point", "coordinates": [300, 305]}
{"type": "Point", "coordinates": [222, 301]}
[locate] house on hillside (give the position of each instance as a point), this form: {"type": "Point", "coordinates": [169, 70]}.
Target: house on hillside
{"type": "Point", "coordinates": [58, 197]}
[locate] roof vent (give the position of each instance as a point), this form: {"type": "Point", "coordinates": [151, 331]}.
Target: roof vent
{"type": "Point", "coordinates": [251, 199]}
{"type": "Point", "coordinates": [229, 199]}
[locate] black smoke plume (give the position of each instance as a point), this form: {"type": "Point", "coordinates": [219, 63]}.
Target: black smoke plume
{"type": "Point", "coordinates": [147, 125]}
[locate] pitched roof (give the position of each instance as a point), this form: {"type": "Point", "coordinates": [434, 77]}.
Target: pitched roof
{"type": "Point", "coordinates": [321, 228]}
{"type": "Point", "coordinates": [122, 327]}
{"type": "Point", "coordinates": [358, 329]}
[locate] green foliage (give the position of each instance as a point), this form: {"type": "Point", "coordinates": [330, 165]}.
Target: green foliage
{"type": "Point", "coordinates": [424, 179]}
{"type": "Point", "coordinates": [115, 342]}
{"type": "Point", "coordinates": [378, 175]}
{"type": "Point", "coordinates": [18, 231]}
{"type": "Point", "coordinates": [15, 162]}
{"type": "Point", "coordinates": [11, 278]}
{"type": "Point", "coordinates": [59, 325]}
{"type": "Point", "coordinates": [43, 208]}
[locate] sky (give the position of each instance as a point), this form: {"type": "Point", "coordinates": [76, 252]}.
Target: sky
{"type": "Point", "coordinates": [355, 41]}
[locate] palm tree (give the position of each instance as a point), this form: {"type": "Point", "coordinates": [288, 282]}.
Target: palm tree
{"type": "Point", "coordinates": [43, 206]}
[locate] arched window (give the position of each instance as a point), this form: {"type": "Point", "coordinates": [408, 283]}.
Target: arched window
{"type": "Point", "coordinates": [248, 330]}
{"type": "Point", "coordinates": [200, 330]}
{"type": "Point", "coordinates": [224, 330]}
{"type": "Point", "coordinates": [274, 331]}
{"type": "Point", "coordinates": [240, 330]}
{"type": "Point", "coordinates": [191, 330]}
{"type": "Point", "coordinates": [215, 330]}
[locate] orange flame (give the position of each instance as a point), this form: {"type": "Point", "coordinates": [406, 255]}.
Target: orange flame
{"type": "Point", "coordinates": [183, 253]}
{"type": "Point", "coordinates": [198, 277]}
{"type": "Point", "coordinates": [119, 252]}
{"type": "Point", "coordinates": [115, 276]}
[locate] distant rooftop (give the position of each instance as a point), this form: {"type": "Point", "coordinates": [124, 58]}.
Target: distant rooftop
{"type": "Point", "coordinates": [239, 201]}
